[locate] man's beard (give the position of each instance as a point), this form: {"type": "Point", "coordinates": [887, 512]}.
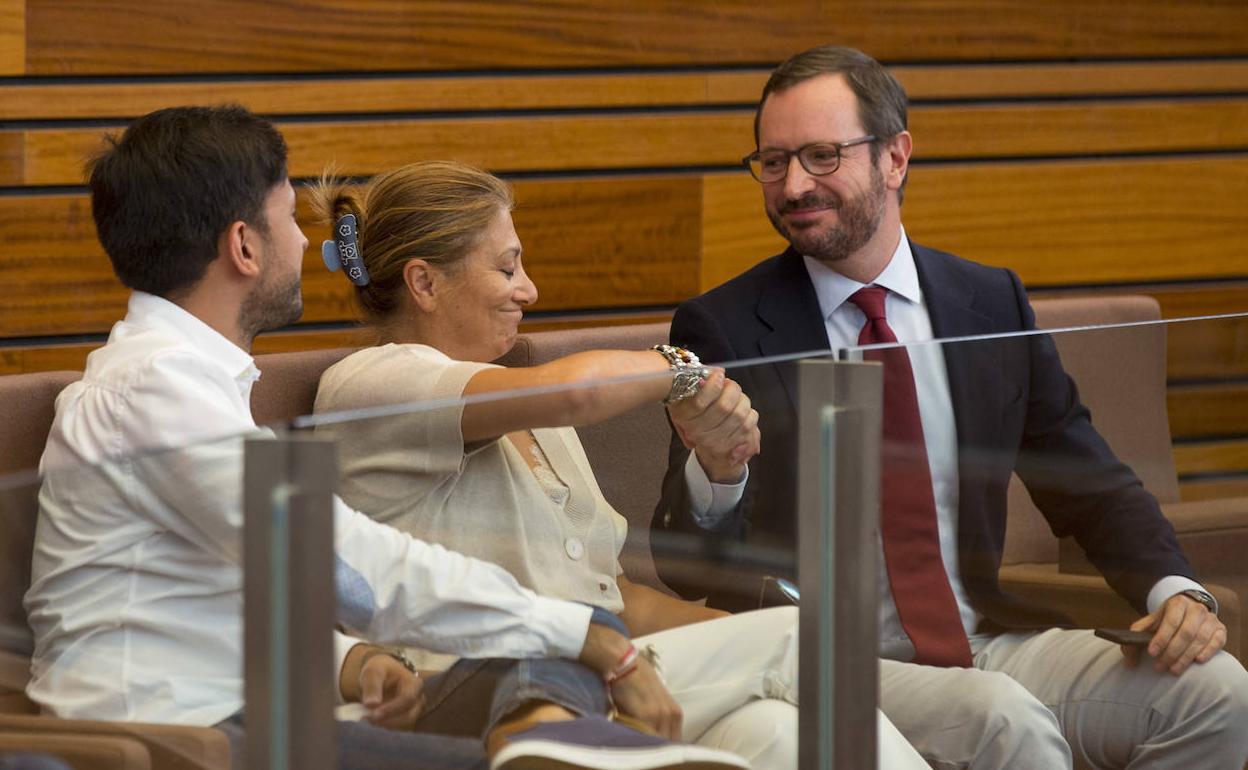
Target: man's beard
{"type": "Point", "coordinates": [857, 221]}
{"type": "Point", "coordinates": [274, 303]}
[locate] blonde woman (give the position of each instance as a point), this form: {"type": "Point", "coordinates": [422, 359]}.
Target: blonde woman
{"type": "Point", "coordinates": [441, 279]}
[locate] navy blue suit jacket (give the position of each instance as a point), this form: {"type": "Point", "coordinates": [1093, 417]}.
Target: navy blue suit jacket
{"type": "Point", "coordinates": [1015, 409]}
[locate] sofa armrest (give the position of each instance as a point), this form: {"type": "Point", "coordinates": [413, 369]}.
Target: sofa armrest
{"type": "Point", "coordinates": [171, 747]}
{"type": "Point", "coordinates": [1222, 515]}
{"type": "Point", "coordinates": [81, 752]}
{"type": "Point", "coordinates": [1091, 603]}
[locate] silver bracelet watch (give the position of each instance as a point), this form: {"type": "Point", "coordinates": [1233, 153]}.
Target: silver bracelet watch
{"type": "Point", "coordinates": [688, 373]}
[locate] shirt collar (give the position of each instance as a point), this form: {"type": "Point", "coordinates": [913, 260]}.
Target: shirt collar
{"type": "Point", "coordinates": [149, 310]}
{"type": "Point", "coordinates": [900, 277]}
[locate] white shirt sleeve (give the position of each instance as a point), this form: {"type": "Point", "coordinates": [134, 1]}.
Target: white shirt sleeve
{"type": "Point", "coordinates": [394, 589]}
{"type": "Point", "coordinates": [710, 503]}
{"type": "Point", "coordinates": [343, 645]}
{"type": "Point", "coordinates": [1169, 586]}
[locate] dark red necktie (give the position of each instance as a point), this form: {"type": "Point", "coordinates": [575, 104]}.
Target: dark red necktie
{"type": "Point", "coordinates": [925, 601]}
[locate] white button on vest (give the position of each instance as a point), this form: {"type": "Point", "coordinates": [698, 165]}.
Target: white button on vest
{"type": "Point", "coordinates": [574, 547]}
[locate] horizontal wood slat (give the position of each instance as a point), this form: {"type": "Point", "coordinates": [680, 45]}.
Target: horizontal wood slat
{"type": "Point", "coordinates": [55, 156]}
{"type": "Point", "coordinates": [46, 358]}
{"type": "Point", "coordinates": [115, 36]}
{"type": "Point", "coordinates": [1213, 489]}
{"type": "Point", "coordinates": [1204, 349]}
{"type": "Point", "coordinates": [1212, 457]}
{"type": "Point", "coordinates": [601, 243]}
{"type": "Point", "coordinates": [332, 96]}
{"type": "Point", "coordinates": [12, 37]}
{"type": "Point", "coordinates": [1208, 411]}
{"type": "Point", "coordinates": [543, 143]}
{"type": "Point", "coordinates": [359, 95]}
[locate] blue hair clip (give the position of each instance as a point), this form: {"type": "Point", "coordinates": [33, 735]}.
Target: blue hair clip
{"type": "Point", "coordinates": [343, 252]}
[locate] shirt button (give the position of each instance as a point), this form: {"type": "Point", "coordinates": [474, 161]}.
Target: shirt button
{"type": "Point", "coordinates": [574, 547]}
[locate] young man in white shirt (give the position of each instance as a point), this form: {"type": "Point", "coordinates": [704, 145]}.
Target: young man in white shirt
{"type": "Point", "coordinates": [136, 594]}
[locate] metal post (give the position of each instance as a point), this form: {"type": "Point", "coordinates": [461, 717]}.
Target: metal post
{"type": "Point", "coordinates": [839, 418]}
{"type": "Point", "coordinates": [289, 603]}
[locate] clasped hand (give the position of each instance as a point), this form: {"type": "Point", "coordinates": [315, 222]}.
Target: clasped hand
{"type": "Point", "coordinates": [720, 426]}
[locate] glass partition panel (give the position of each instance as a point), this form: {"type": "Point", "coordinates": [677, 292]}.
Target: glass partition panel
{"type": "Point", "coordinates": [579, 491]}
{"type": "Point", "coordinates": [124, 592]}
{"type": "Point", "coordinates": [1067, 465]}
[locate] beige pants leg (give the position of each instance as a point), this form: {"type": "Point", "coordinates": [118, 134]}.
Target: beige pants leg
{"type": "Point", "coordinates": [1060, 699]}
{"type": "Point", "coordinates": [1119, 717]}
{"type": "Point", "coordinates": [965, 718]}
{"type": "Point", "coordinates": [736, 680]}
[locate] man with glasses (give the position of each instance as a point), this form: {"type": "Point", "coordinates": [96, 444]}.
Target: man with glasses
{"type": "Point", "coordinates": [980, 679]}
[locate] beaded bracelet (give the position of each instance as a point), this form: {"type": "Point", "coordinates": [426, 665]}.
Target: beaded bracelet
{"type": "Point", "coordinates": [688, 373]}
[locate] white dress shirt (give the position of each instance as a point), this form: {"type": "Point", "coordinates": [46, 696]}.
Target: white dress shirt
{"type": "Point", "coordinates": [136, 592]}
{"type": "Point", "coordinates": [907, 315]}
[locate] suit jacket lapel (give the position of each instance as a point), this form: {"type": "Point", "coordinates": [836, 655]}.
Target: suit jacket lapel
{"type": "Point", "coordinates": [789, 308]}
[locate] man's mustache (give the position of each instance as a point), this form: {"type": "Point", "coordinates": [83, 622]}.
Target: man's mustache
{"type": "Point", "coordinates": [812, 202]}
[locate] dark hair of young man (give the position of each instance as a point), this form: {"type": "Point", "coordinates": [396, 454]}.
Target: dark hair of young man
{"type": "Point", "coordinates": [163, 193]}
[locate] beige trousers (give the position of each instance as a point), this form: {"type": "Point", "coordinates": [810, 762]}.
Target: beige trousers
{"type": "Point", "coordinates": [1059, 699]}
{"type": "Point", "coordinates": [736, 680]}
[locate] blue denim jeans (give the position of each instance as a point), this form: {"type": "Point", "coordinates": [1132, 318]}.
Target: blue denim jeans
{"type": "Point", "coordinates": [463, 704]}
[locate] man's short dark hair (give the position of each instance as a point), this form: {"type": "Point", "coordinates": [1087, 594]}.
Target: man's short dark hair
{"type": "Point", "coordinates": [164, 192]}
{"type": "Point", "coordinates": [882, 102]}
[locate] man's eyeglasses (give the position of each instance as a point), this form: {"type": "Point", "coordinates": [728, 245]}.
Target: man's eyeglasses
{"type": "Point", "coordinates": [818, 159]}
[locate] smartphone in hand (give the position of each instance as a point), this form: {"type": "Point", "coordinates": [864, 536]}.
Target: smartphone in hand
{"type": "Point", "coordinates": [1123, 636]}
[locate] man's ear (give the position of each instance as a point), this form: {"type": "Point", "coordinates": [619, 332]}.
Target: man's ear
{"type": "Point", "coordinates": [896, 158]}
{"type": "Point", "coordinates": [238, 245]}
{"type": "Point", "coordinates": [423, 282]}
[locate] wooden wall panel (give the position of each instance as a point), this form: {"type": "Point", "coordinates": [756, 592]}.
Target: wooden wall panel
{"type": "Point", "coordinates": [1083, 79]}
{"type": "Point", "coordinates": [1007, 130]}
{"type": "Point", "coordinates": [413, 93]}
{"type": "Point", "coordinates": [1069, 222]}
{"type": "Point", "coordinates": [116, 36]}
{"type": "Point", "coordinates": [1213, 489]}
{"type": "Point", "coordinates": [1212, 457]}
{"type": "Point", "coordinates": [12, 157]}
{"type": "Point", "coordinates": [655, 240]}
{"type": "Point", "coordinates": [1206, 349]}
{"type": "Point", "coordinates": [331, 96]}
{"type": "Point", "coordinates": [12, 37]}
{"type": "Point", "coordinates": [644, 252]}
{"type": "Point", "coordinates": [736, 234]}
{"type": "Point", "coordinates": [1208, 411]}
{"type": "Point", "coordinates": [55, 156]}
{"type": "Point", "coordinates": [611, 243]}
{"type": "Point", "coordinates": [1087, 222]}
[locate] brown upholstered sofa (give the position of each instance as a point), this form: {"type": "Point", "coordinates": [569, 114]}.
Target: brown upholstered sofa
{"type": "Point", "coordinates": [1123, 383]}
